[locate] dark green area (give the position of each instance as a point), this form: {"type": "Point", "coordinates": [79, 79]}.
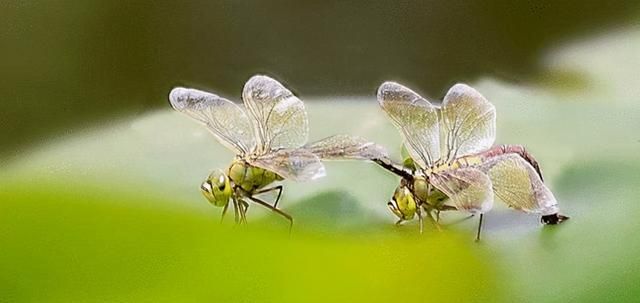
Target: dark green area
{"type": "Point", "coordinates": [69, 63]}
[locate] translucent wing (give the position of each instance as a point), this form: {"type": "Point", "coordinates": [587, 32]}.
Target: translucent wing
{"type": "Point", "coordinates": [467, 188]}
{"type": "Point", "coordinates": [417, 120]}
{"type": "Point", "coordinates": [294, 164]}
{"type": "Point", "coordinates": [518, 184]}
{"type": "Point", "coordinates": [468, 122]}
{"type": "Point", "coordinates": [227, 121]}
{"type": "Point", "coordinates": [280, 120]}
{"type": "Point", "coordinates": [341, 147]}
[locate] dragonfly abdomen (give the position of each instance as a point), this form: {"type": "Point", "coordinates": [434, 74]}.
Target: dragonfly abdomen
{"type": "Point", "coordinates": [466, 162]}
{"type": "Point", "coordinates": [511, 149]}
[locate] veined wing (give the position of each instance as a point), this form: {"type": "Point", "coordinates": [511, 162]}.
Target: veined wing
{"type": "Point", "coordinates": [467, 188]}
{"type": "Point", "coordinates": [468, 122]}
{"type": "Point", "coordinates": [296, 164]}
{"type": "Point", "coordinates": [518, 184]}
{"type": "Point", "coordinates": [342, 147]}
{"type": "Point", "coordinates": [417, 120]}
{"type": "Point", "coordinates": [227, 121]}
{"type": "Point", "coordinates": [279, 117]}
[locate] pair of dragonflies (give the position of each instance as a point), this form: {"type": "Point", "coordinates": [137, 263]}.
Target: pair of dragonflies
{"type": "Point", "coordinates": [451, 164]}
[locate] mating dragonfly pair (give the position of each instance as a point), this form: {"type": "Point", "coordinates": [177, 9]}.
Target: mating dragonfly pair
{"type": "Point", "coordinates": [451, 164]}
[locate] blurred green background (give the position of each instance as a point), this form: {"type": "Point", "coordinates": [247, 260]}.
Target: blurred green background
{"type": "Point", "coordinates": [99, 177]}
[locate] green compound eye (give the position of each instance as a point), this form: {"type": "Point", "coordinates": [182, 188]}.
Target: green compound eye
{"type": "Point", "coordinates": [216, 188]}
{"type": "Point", "coordinates": [206, 186]}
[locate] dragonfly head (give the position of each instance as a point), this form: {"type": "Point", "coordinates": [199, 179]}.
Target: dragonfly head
{"type": "Point", "coordinates": [403, 203]}
{"type": "Point", "coordinates": [217, 188]}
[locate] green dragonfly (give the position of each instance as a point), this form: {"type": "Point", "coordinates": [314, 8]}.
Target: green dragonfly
{"type": "Point", "coordinates": [452, 163]}
{"type": "Point", "coordinates": [269, 138]}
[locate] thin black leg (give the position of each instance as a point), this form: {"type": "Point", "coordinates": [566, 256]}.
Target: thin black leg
{"type": "Point", "coordinates": [479, 228]}
{"type": "Point", "coordinates": [243, 215]}
{"type": "Point", "coordinates": [246, 205]}
{"type": "Point", "coordinates": [235, 208]}
{"type": "Point", "coordinates": [269, 206]}
{"type": "Point", "coordinates": [433, 220]}
{"type": "Point", "coordinates": [278, 188]}
{"type": "Point", "coordinates": [224, 212]}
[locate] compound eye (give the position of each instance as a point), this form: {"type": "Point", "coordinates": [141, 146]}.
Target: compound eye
{"type": "Point", "coordinates": [393, 205]}
{"type": "Point", "coordinates": [222, 182]}
{"type": "Point", "coordinates": [206, 186]}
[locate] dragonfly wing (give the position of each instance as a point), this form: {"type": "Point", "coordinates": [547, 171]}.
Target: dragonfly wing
{"type": "Point", "coordinates": [279, 117]}
{"type": "Point", "coordinates": [417, 120]}
{"type": "Point", "coordinates": [294, 164]}
{"type": "Point", "coordinates": [468, 122]}
{"type": "Point", "coordinates": [227, 121]}
{"type": "Point", "coordinates": [518, 184]}
{"type": "Point", "coordinates": [343, 147]}
{"type": "Point", "coordinates": [468, 189]}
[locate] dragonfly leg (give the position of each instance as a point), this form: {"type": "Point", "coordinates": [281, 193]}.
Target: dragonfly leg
{"type": "Point", "coordinates": [278, 188]}
{"type": "Point", "coordinates": [236, 212]}
{"type": "Point", "coordinates": [272, 208]}
{"type": "Point", "coordinates": [246, 206]}
{"type": "Point", "coordinates": [243, 206]}
{"type": "Point", "coordinates": [420, 221]}
{"type": "Point", "coordinates": [433, 220]}
{"type": "Point", "coordinates": [479, 228]}
{"type": "Point", "coordinates": [399, 222]}
{"type": "Point", "coordinates": [224, 212]}
{"type": "Point", "coordinates": [462, 219]}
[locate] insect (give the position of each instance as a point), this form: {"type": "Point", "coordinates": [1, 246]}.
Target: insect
{"type": "Point", "coordinates": [453, 164]}
{"type": "Point", "coordinates": [268, 136]}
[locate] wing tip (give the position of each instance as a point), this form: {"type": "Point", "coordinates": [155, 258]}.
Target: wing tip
{"type": "Point", "coordinates": [259, 77]}
{"type": "Point", "coordinates": [178, 96]}
{"type": "Point", "coordinates": [461, 85]}
{"type": "Point", "coordinates": [260, 81]}
{"type": "Point", "coordinates": [460, 88]}
{"type": "Point", "coordinates": [385, 89]}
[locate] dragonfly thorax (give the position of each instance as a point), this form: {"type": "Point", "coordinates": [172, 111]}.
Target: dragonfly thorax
{"type": "Point", "coordinates": [250, 178]}
{"type": "Point", "coordinates": [421, 188]}
{"type": "Point", "coordinates": [427, 194]}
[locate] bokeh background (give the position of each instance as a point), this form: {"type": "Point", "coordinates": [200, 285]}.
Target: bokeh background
{"type": "Point", "coordinates": [99, 178]}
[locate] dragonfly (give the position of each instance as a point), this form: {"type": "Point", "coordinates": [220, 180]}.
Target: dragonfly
{"type": "Point", "coordinates": [452, 162]}
{"type": "Point", "coordinates": [269, 138]}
